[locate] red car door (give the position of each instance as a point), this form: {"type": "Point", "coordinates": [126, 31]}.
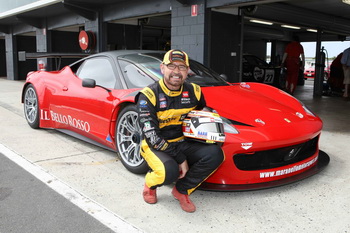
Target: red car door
{"type": "Point", "coordinates": [87, 111]}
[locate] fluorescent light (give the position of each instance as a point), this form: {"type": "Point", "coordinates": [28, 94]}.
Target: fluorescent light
{"type": "Point", "coordinates": [261, 21]}
{"type": "Point", "coordinates": [311, 30]}
{"type": "Point", "coordinates": [346, 1]}
{"type": "Point", "coordinates": [290, 26]}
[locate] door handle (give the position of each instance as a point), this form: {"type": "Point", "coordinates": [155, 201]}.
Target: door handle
{"type": "Point", "coordinates": [64, 88]}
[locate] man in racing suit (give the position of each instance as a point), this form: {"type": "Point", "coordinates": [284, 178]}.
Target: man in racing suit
{"type": "Point", "coordinates": [162, 108]}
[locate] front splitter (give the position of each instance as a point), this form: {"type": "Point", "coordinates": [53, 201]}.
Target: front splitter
{"type": "Point", "coordinates": [322, 162]}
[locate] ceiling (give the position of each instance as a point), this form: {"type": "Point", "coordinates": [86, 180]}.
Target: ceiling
{"type": "Point", "coordinates": [330, 16]}
{"type": "Point", "coordinates": [55, 9]}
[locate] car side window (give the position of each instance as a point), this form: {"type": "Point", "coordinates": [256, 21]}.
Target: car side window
{"type": "Point", "coordinates": [100, 69]}
{"type": "Point", "coordinates": [134, 76]}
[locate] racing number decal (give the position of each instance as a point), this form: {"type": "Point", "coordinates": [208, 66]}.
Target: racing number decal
{"type": "Point", "coordinates": [258, 74]}
{"type": "Point", "coordinates": [269, 77]}
{"type": "Point", "coordinates": [262, 75]}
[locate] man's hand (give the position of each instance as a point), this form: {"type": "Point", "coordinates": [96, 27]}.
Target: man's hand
{"type": "Point", "coordinates": [183, 167]}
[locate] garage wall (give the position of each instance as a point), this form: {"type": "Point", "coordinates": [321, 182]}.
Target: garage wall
{"type": "Point", "coordinates": [255, 47]}
{"type": "Point", "coordinates": [156, 39]}
{"type": "Point", "coordinates": [28, 44]}
{"type": "Point", "coordinates": [65, 42]}
{"type": "Point", "coordinates": [187, 32]}
{"type": "Point", "coordinates": [122, 36]}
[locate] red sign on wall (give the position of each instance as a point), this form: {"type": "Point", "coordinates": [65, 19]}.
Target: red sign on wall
{"type": "Point", "coordinates": [87, 40]}
{"type": "Point", "coordinates": [83, 40]}
{"type": "Point", "coordinates": [194, 10]}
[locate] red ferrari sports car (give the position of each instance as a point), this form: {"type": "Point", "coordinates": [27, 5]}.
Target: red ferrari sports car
{"type": "Point", "coordinates": [271, 137]}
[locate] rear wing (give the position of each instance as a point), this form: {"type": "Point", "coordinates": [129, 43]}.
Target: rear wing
{"type": "Point", "coordinates": [23, 56]}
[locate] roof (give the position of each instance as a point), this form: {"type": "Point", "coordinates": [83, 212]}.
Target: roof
{"type": "Point", "coordinates": [331, 16]}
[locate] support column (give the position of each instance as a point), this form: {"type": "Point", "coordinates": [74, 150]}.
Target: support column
{"type": "Point", "coordinates": [318, 82]}
{"type": "Point", "coordinates": [11, 57]}
{"type": "Point", "coordinates": [99, 28]}
{"type": "Point", "coordinates": [188, 32]}
{"type": "Point", "coordinates": [44, 44]}
{"type": "Point", "coordinates": [2, 57]}
{"type": "Point", "coordinates": [226, 44]}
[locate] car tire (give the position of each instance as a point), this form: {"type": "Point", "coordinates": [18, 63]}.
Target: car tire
{"type": "Point", "coordinates": [31, 106]}
{"type": "Point", "coordinates": [128, 140]}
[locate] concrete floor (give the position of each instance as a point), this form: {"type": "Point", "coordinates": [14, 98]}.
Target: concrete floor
{"type": "Point", "coordinates": [319, 204]}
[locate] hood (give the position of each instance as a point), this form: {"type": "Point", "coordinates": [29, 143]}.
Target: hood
{"type": "Point", "coordinates": [256, 104]}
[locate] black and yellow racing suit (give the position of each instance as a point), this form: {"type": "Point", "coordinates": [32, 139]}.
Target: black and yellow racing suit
{"type": "Point", "coordinates": [161, 112]}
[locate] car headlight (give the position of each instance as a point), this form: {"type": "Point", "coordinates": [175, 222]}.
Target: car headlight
{"type": "Point", "coordinates": [228, 128]}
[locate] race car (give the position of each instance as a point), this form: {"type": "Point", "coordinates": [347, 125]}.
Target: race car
{"type": "Point", "coordinates": [309, 72]}
{"type": "Point", "coordinates": [270, 137]}
{"type": "Point", "coordinates": [257, 70]}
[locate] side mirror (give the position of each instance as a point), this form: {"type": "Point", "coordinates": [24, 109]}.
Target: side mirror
{"type": "Point", "coordinates": [90, 83]}
{"type": "Point", "coordinates": [224, 76]}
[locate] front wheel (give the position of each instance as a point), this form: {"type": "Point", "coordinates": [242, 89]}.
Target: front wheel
{"type": "Point", "coordinates": [31, 106]}
{"type": "Point", "coordinates": [128, 140]}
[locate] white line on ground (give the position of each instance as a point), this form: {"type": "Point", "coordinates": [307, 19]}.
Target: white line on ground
{"type": "Point", "coordinates": [99, 212]}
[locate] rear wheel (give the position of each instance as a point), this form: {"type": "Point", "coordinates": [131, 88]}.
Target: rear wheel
{"type": "Point", "coordinates": [31, 106]}
{"type": "Point", "coordinates": [128, 140]}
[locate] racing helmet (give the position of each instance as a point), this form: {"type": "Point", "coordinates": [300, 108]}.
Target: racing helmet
{"type": "Point", "coordinates": [203, 126]}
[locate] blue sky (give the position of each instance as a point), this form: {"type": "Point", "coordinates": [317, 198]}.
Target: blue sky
{"type": "Point", "coordinates": [332, 48]}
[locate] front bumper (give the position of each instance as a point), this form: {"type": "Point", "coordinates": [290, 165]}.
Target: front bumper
{"type": "Point", "coordinates": [322, 162]}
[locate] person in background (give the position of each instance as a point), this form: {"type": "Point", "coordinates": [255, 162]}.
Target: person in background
{"type": "Point", "coordinates": [162, 108]}
{"type": "Point", "coordinates": [345, 61]}
{"type": "Point", "coordinates": [294, 60]}
{"type": "Point", "coordinates": [336, 76]}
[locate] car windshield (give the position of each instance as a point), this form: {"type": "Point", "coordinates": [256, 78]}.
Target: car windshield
{"type": "Point", "coordinates": [142, 69]}
{"type": "Point", "coordinates": [254, 61]}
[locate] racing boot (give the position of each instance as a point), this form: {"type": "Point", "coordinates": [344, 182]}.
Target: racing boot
{"type": "Point", "coordinates": [185, 202]}
{"type": "Point", "coordinates": [149, 195]}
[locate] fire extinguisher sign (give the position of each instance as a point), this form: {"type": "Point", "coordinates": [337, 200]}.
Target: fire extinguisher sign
{"type": "Point", "coordinates": [194, 10]}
